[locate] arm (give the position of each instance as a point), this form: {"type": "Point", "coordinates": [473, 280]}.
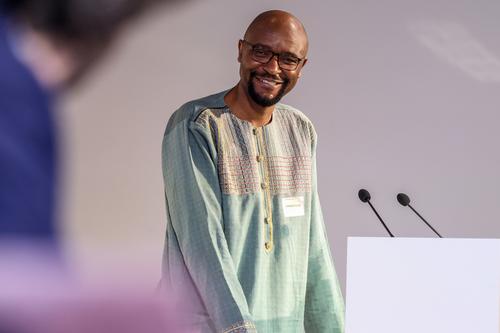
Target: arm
{"type": "Point", "coordinates": [27, 165]}
{"type": "Point", "coordinates": [324, 308]}
{"type": "Point", "coordinates": [195, 207]}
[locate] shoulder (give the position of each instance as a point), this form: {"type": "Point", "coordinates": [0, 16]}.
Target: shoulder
{"type": "Point", "coordinates": [25, 105]}
{"type": "Point", "coordinates": [18, 85]}
{"type": "Point", "coordinates": [295, 117]}
{"type": "Point", "coordinates": [193, 111]}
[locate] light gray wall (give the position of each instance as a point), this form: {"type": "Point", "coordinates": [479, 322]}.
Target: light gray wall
{"type": "Point", "coordinates": [405, 96]}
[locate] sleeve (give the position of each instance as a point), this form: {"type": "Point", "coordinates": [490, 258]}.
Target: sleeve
{"type": "Point", "coordinates": [28, 175]}
{"type": "Point", "coordinates": [324, 306]}
{"type": "Point", "coordinates": [195, 207]}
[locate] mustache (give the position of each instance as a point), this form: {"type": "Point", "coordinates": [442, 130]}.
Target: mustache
{"type": "Point", "coordinates": [284, 80]}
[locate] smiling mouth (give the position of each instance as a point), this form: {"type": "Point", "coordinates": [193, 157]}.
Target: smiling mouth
{"type": "Point", "coordinates": [269, 82]}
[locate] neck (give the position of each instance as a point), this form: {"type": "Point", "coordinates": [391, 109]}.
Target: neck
{"type": "Point", "coordinates": [243, 107]}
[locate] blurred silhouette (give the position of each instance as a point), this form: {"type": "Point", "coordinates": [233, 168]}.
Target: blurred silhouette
{"type": "Point", "coordinates": [46, 46]}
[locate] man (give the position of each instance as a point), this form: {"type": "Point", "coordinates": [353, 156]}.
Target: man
{"type": "Point", "coordinates": [45, 46]}
{"type": "Point", "coordinates": [27, 146]}
{"type": "Point", "coordinates": [245, 240]}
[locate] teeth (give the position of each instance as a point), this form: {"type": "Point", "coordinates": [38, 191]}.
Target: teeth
{"type": "Point", "coordinates": [271, 82]}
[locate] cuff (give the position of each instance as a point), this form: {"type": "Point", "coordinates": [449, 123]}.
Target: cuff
{"type": "Point", "coordinates": [241, 327]}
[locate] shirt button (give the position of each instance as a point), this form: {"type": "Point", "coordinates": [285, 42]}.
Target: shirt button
{"type": "Point", "coordinates": [260, 158]}
{"type": "Point", "coordinates": [263, 185]}
{"type": "Point", "coordinates": [266, 220]}
{"type": "Point", "coordinates": [268, 246]}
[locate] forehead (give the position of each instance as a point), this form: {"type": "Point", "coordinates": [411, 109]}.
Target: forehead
{"type": "Point", "coordinates": [280, 38]}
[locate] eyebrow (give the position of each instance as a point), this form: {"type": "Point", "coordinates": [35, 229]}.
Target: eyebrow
{"type": "Point", "coordinates": [271, 49]}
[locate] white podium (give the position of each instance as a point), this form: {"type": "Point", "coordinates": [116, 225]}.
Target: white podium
{"type": "Point", "coordinates": [423, 285]}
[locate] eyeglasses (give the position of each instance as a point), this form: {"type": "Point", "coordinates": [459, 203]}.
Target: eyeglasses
{"type": "Point", "coordinates": [263, 55]}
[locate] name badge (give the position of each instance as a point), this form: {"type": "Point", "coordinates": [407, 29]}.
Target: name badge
{"type": "Point", "coordinates": [293, 206]}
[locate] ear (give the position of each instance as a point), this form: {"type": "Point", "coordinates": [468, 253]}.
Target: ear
{"type": "Point", "coordinates": [304, 62]}
{"type": "Point", "coordinates": [240, 50]}
{"type": "Point", "coordinates": [302, 66]}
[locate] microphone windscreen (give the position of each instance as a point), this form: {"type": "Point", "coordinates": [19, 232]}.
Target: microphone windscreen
{"type": "Point", "coordinates": [364, 195]}
{"type": "Point", "coordinates": [403, 199]}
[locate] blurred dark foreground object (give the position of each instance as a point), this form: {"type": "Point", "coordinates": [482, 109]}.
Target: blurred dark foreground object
{"type": "Point", "coordinates": [84, 29]}
{"type": "Point", "coordinates": [46, 46]}
{"type": "Point", "coordinates": [37, 295]}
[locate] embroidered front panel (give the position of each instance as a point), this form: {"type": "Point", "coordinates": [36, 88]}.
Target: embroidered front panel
{"type": "Point", "coordinates": [286, 152]}
{"type": "Point", "coordinates": [238, 174]}
{"type": "Point", "coordinates": [290, 175]}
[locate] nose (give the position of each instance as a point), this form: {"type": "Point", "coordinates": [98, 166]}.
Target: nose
{"type": "Point", "coordinates": [272, 66]}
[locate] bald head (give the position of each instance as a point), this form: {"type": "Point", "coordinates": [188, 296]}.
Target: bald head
{"type": "Point", "coordinates": [271, 55]}
{"type": "Point", "coordinates": [281, 23]}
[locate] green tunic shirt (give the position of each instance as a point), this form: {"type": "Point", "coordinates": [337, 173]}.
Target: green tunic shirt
{"type": "Point", "coordinates": [245, 239]}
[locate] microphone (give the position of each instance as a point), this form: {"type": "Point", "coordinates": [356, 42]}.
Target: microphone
{"type": "Point", "coordinates": [404, 200]}
{"type": "Point", "coordinates": [365, 196]}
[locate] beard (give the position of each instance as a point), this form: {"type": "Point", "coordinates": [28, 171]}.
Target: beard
{"type": "Point", "coordinates": [264, 101]}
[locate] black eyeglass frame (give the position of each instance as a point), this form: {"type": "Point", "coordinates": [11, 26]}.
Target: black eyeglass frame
{"type": "Point", "coordinates": [273, 54]}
